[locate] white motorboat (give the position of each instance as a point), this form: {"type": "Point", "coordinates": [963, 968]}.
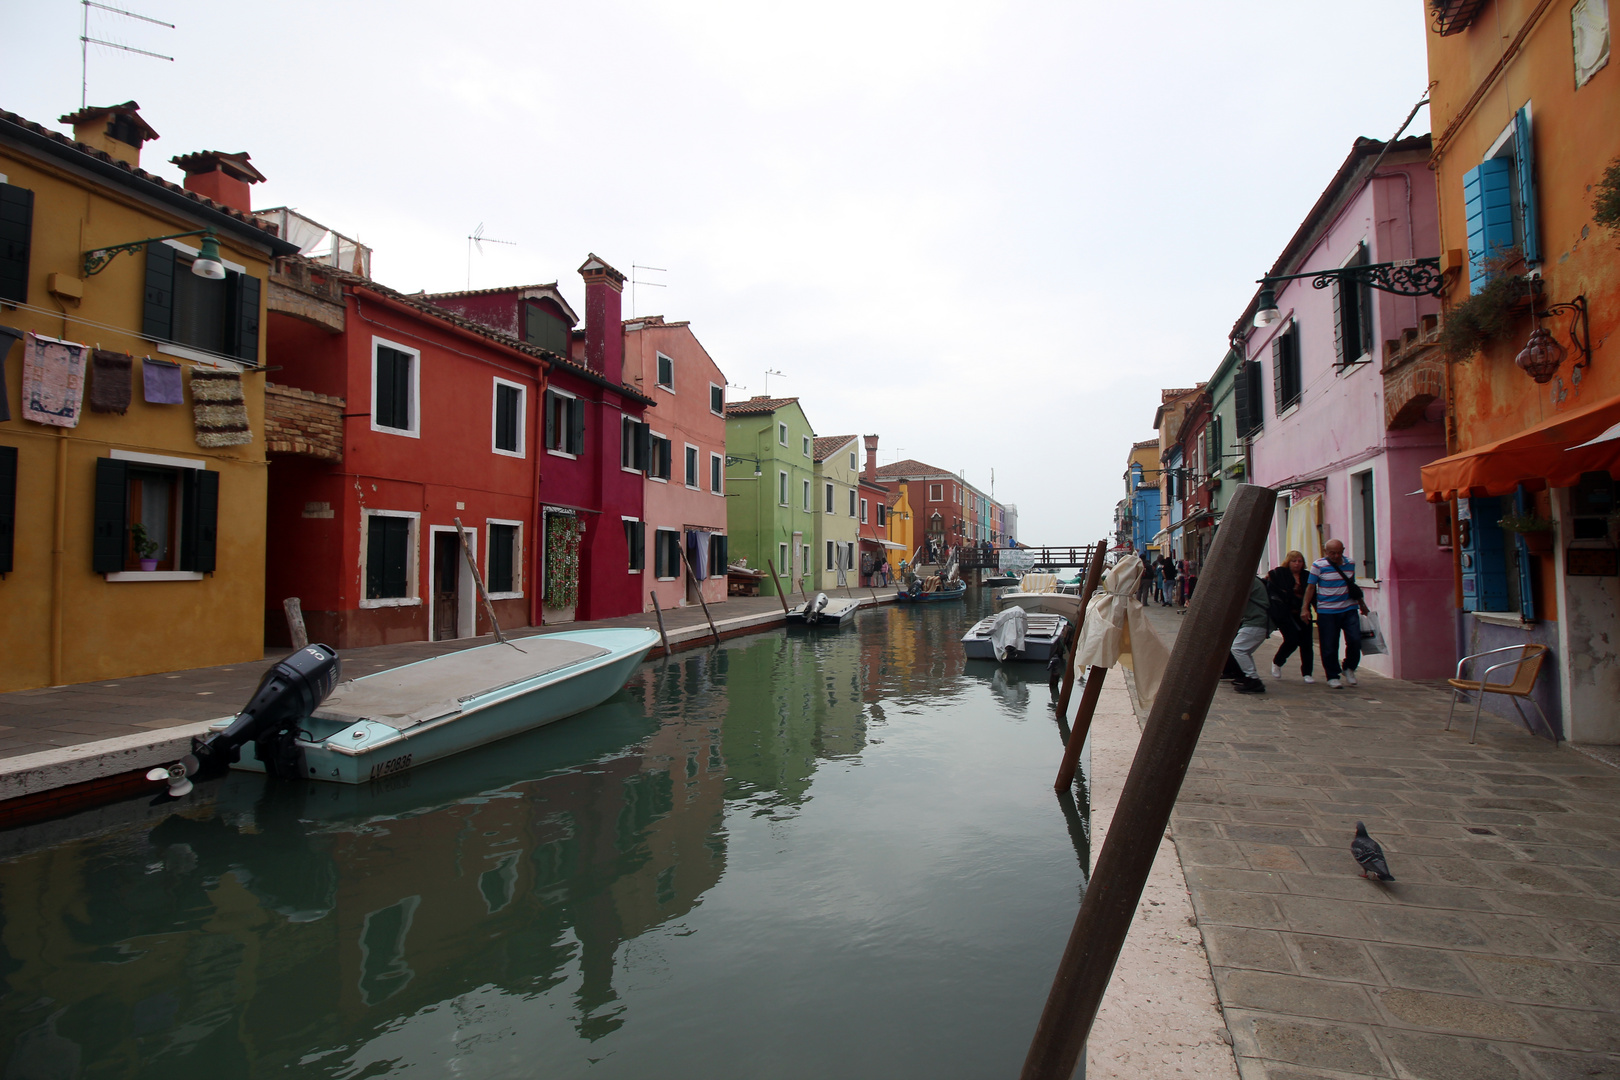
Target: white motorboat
{"type": "Point", "coordinates": [823, 610]}
{"type": "Point", "coordinates": [1015, 634]}
{"type": "Point", "coordinates": [1042, 594]}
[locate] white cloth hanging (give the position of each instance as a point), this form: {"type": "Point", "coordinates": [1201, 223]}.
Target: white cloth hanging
{"type": "Point", "coordinates": [1117, 631]}
{"type": "Point", "coordinates": [1007, 632]}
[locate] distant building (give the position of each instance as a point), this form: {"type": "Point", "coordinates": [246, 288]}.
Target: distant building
{"type": "Point", "coordinates": [771, 479]}
{"type": "Point", "coordinates": [838, 476]}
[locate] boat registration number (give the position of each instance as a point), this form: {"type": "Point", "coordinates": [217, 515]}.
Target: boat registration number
{"type": "Point", "coordinates": [391, 766]}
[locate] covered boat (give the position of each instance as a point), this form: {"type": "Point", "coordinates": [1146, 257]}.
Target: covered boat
{"type": "Point", "coordinates": [1042, 594]}
{"type": "Point", "coordinates": [919, 593]}
{"type": "Point", "coordinates": [823, 610]}
{"type": "Point", "coordinates": [1015, 634]}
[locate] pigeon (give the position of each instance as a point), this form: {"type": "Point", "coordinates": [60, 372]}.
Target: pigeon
{"type": "Point", "coordinates": [1369, 855]}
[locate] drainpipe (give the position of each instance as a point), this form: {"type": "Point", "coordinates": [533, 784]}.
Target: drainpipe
{"type": "Point", "coordinates": [59, 556]}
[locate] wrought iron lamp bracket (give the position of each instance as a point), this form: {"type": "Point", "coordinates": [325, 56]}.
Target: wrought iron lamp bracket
{"type": "Point", "coordinates": [1579, 331]}
{"type": "Point", "coordinates": [97, 259]}
{"type": "Point", "coordinates": [1408, 277]}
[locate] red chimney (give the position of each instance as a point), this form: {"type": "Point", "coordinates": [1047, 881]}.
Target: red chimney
{"type": "Point", "coordinates": [604, 332]}
{"type": "Point", "coordinates": [871, 458]}
{"type": "Point", "coordinates": [224, 178]}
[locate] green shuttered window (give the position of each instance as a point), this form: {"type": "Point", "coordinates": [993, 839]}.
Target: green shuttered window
{"type": "Point", "coordinates": [388, 551]}
{"type": "Point", "coordinates": [124, 494]}
{"type": "Point", "coordinates": [16, 240]}
{"type": "Point", "coordinates": [503, 554]}
{"type": "Point", "coordinates": [392, 405]}
{"type": "Point", "coordinates": [219, 316]}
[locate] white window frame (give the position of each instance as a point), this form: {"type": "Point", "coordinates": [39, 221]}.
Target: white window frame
{"type": "Point", "coordinates": [625, 422]}
{"type": "Point", "coordinates": [652, 455]}
{"type": "Point", "coordinates": [806, 551]}
{"type": "Point", "coordinates": [781, 433]}
{"type": "Point", "coordinates": [522, 450]}
{"type": "Point", "coordinates": [658, 370]}
{"type": "Point", "coordinates": [830, 503]}
{"type": "Point", "coordinates": [936, 492]}
{"type": "Point", "coordinates": [804, 492]}
{"type": "Point", "coordinates": [517, 557]}
{"type": "Point", "coordinates": [200, 356]}
{"type": "Point", "coordinates": [635, 569]}
{"type": "Point", "coordinates": [676, 533]}
{"type": "Point", "coordinates": [717, 473]}
{"type": "Point", "coordinates": [415, 430]}
{"type": "Point", "coordinates": [832, 562]}
{"type": "Point", "coordinates": [1349, 365]}
{"type": "Point", "coordinates": [695, 454]}
{"type": "Point", "coordinates": [167, 462]}
{"type": "Point", "coordinates": [852, 504]}
{"type": "Point", "coordinates": [544, 420]}
{"type": "Point", "coordinates": [782, 558]}
{"type": "Point", "coordinates": [1359, 526]}
{"type": "Point", "coordinates": [809, 446]}
{"type": "Point", "coordinates": [853, 466]}
{"type": "Point", "coordinates": [414, 568]}
{"type": "Point", "coordinates": [863, 511]}
{"type": "Point", "coordinates": [782, 487]}
{"type": "Point", "coordinates": [722, 410]}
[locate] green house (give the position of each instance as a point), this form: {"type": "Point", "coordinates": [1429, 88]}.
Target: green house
{"type": "Point", "coordinates": [771, 489]}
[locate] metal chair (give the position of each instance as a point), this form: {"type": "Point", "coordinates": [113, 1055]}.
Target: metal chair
{"type": "Point", "coordinates": [1526, 667]}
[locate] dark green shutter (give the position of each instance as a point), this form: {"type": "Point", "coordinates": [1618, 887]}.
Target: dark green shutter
{"type": "Point", "coordinates": [506, 417]}
{"type": "Point", "coordinates": [387, 556]}
{"type": "Point", "coordinates": [245, 297]}
{"type": "Point", "coordinates": [200, 521]}
{"type": "Point", "coordinates": [1341, 347]}
{"type": "Point", "coordinates": [721, 552]}
{"type": "Point", "coordinates": [112, 503]}
{"type": "Point", "coordinates": [16, 237]}
{"type": "Point", "coordinates": [8, 507]}
{"type": "Point", "coordinates": [501, 539]}
{"type": "Point", "coordinates": [376, 548]}
{"type": "Point", "coordinates": [552, 435]}
{"type": "Point", "coordinates": [643, 454]}
{"type": "Point", "coordinates": [157, 315]}
{"type": "Point", "coordinates": [576, 426]}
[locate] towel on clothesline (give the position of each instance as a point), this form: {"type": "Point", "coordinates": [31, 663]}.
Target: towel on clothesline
{"type": "Point", "coordinates": [111, 378]}
{"type": "Point", "coordinates": [219, 409]}
{"type": "Point", "coordinates": [53, 381]}
{"type": "Point", "coordinates": [160, 382]}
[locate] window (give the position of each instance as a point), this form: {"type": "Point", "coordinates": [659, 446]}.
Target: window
{"type": "Point", "coordinates": [717, 399]}
{"type": "Point", "coordinates": [717, 474]}
{"type": "Point", "coordinates": [1495, 568]}
{"type": "Point", "coordinates": [503, 565]}
{"type": "Point", "coordinates": [220, 316]}
{"type": "Point", "coordinates": [936, 492]}
{"type": "Point", "coordinates": [16, 237]}
{"type": "Point", "coordinates": [781, 434]}
{"type": "Point", "coordinates": [883, 514]}
{"type": "Point", "coordinates": [635, 539]}
{"type": "Point", "coordinates": [545, 328]}
{"type": "Point", "coordinates": [508, 421]}
{"type": "Point", "coordinates": [394, 379]}
{"type": "Point", "coordinates": [853, 466]}
{"type": "Point", "coordinates": [173, 503]}
{"type": "Point", "coordinates": [658, 462]}
{"type": "Point", "coordinates": [831, 564]}
{"type": "Point", "coordinates": [666, 372]}
{"type": "Point", "coordinates": [565, 424]}
{"type": "Point", "coordinates": [667, 554]}
{"type": "Point", "coordinates": [830, 499]}
{"type": "Point", "coordinates": [781, 489]}
{"type": "Point", "coordinates": [635, 444]}
{"type": "Point", "coordinates": [389, 558]}
{"type": "Point", "coordinates": [805, 554]}
{"type": "Point", "coordinates": [1364, 525]}
{"type": "Point", "coordinates": [693, 478]}
{"type": "Point", "coordinates": [852, 504]}
{"type": "Point", "coordinates": [782, 557]}
{"type": "Point", "coordinates": [1248, 399]}
{"type": "Point", "coordinates": [1352, 316]}
{"type": "Point", "coordinates": [1285, 375]}
{"type": "Point", "coordinates": [863, 511]}
{"type": "Point", "coordinates": [719, 553]}
{"type": "Point", "coordinates": [807, 446]}
{"type": "Point", "coordinates": [805, 496]}
{"type": "Point", "coordinates": [1499, 200]}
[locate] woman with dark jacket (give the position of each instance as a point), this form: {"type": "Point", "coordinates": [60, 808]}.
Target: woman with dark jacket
{"type": "Point", "coordinates": [1286, 584]}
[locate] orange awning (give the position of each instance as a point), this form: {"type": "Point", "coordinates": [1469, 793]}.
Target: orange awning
{"type": "Point", "coordinates": [1547, 455]}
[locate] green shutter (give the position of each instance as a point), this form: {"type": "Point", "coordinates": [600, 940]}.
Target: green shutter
{"type": "Point", "coordinates": [8, 507]}
{"type": "Point", "coordinates": [245, 298]}
{"type": "Point", "coordinates": [111, 521]}
{"type": "Point", "coordinates": [501, 543]}
{"type": "Point", "coordinates": [157, 313]}
{"type": "Point", "coordinates": [16, 239]}
{"type": "Point", "coordinates": [376, 545]}
{"type": "Point", "coordinates": [200, 521]}
{"type": "Point", "coordinates": [576, 426]}
{"type": "Point", "coordinates": [553, 441]}
{"type": "Point", "coordinates": [1525, 161]}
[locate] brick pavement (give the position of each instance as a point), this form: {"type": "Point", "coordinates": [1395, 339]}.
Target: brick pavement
{"type": "Point", "coordinates": [53, 717]}
{"type": "Point", "coordinates": [1495, 953]}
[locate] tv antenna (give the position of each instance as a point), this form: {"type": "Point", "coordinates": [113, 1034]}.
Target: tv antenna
{"type": "Point", "coordinates": [634, 281]}
{"type": "Point", "coordinates": [768, 374]}
{"type": "Point", "coordinates": [478, 240]}
{"type": "Point", "coordinates": [85, 41]}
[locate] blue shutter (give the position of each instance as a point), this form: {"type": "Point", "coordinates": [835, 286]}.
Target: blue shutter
{"type": "Point", "coordinates": [1521, 554]}
{"type": "Point", "coordinates": [1484, 569]}
{"type": "Point", "coordinates": [1525, 158]}
{"type": "Point", "coordinates": [1488, 199]}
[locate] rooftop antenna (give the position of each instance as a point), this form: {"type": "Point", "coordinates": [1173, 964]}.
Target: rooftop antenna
{"type": "Point", "coordinates": [634, 281]}
{"type": "Point", "coordinates": [85, 41]}
{"type": "Point", "coordinates": [478, 240]}
{"type": "Point", "coordinates": [768, 373]}
{"type": "Point", "coordinates": [897, 451]}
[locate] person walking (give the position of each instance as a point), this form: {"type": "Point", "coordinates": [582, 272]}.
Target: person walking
{"type": "Point", "coordinates": [1287, 584]}
{"type": "Point", "coordinates": [1167, 579]}
{"type": "Point", "coordinates": [1339, 605]}
{"type": "Point", "coordinates": [1252, 633]}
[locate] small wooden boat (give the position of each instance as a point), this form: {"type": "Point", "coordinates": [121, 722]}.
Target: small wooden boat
{"type": "Point", "coordinates": [1042, 594]}
{"type": "Point", "coordinates": [999, 581]}
{"type": "Point", "coordinates": [952, 591]}
{"type": "Point", "coordinates": [823, 610]}
{"type": "Point", "coordinates": [382, 724]}
{"type": "Point", "coordinates": [1042, 636]}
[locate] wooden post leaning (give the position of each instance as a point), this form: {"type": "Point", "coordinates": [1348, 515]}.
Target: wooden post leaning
{"type": "Point", "coordinates": [478, 579]}
{"type": "Point", "coordinates": [697, 586]}
{"type": "Point", "coordinates": [1161, 761]}
{"type": "Point", "coordinates": [660, 613]}
{"type": "Point", "coordinates": [1082, 727]}
{"type": "Point", "coordinates": [1093, 576]}
{"type": "Point", "coordinates": [778, 583]}
{"type": "Point", "coordinates": [295, 621]}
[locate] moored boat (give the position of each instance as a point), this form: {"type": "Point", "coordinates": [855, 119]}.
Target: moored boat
{"type": "Point", "coordinates": [823, 610]}
{"type": "Point", "coordinates": [1014, 634]}
{"type": "Point", "coordinates": [1042, 594]}
{"type": "Point", "coordinates": [919, 594]}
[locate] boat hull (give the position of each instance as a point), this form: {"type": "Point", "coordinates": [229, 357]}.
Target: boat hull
{"type": "Point", "coordinates": [940, 597]}
{"type": "Point", "coordinates": [1042, 639]}
{"type": "Point", "coordinates": [1053, 603]}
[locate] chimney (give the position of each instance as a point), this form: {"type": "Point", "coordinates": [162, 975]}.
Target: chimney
{"type": "Point", "coordinates": [224, 178]}
{"type": "Point", "coordinates": [116, 130]}
{"type": "Point", "coordinates": [604, 333]}
{"type": "Point", "coordinates": [871, 458]}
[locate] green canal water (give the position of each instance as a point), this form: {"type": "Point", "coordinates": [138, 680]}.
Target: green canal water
{"type": "Point", "coordinates": [823, 854]}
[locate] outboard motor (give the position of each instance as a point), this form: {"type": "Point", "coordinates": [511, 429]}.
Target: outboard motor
{"type": "Point", "coordinates": [817, 606]}
{"type": "Point", "coordinates": [292, 689]}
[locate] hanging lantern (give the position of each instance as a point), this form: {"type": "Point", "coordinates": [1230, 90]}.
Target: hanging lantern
{"type": "Point", "coordinates": [1541, 355]}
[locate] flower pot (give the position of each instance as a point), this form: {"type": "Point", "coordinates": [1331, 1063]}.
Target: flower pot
{"type": "Point", "coordinates": [1539, 542]}
{"type": "Point", "coordinates": [148, 564]}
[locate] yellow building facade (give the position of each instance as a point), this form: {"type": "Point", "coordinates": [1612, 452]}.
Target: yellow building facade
{"type": "Point", "coordinates": [98, 474]}
{"type": "Point", "coordinates": [902, 529]}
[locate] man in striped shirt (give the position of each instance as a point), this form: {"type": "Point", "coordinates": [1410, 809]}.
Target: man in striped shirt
{"type": "Point", "coordinates": [1332, 588]}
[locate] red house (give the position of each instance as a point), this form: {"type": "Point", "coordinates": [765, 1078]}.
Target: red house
{"type": "Point", "coordinates": [938, 502]}
{"type": "Point", "coordinates": [592, 442]}
{"type": "Point", "coordinates": [874, 517]}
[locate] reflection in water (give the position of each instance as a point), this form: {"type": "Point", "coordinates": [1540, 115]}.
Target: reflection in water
{"type": "Point", "coordinates": [593, 896]}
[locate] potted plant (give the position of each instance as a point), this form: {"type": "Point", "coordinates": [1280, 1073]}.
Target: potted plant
{"type": "Point", "coordinates": [146, 548]}
{"type": "Point", "coordinates": [1537, 531]}
{"type": "Point", "coordinates": [1492, 314]}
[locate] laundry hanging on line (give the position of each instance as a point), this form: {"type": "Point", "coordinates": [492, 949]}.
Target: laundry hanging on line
{"type": "Point", "coordinates": [111, 381]}
{"type": "Point", "coordinates": [53, 381]}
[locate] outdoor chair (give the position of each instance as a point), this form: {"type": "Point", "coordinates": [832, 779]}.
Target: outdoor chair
{"type": "Point", "coordinates": [1527, 665]}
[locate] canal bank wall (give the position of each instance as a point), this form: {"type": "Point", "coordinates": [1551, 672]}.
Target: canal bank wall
{"type": "Point", "coordinates": [64, 749]}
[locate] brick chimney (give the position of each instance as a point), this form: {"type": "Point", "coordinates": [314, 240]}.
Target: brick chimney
{"type": "Point", "coordinates": [224, 178]}
{"type": "Point", "coordinates": [116, 130]}
{"type": "Point", "coordinates": [871, 458]}
{"type": "Point", "coordinates": [604, 333]}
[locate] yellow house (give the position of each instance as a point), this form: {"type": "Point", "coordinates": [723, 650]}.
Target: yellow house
{"type": "Point", "coordinates": [902, 529]}
{"type": "Point", "coordinates": [132, 461]}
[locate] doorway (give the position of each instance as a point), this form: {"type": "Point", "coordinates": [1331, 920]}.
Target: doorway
{"type": "Point", "coordinates": [452, 613]}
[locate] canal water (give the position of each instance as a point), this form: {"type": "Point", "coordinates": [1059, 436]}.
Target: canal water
{"type": "Point", "coordinates": [832, 853]}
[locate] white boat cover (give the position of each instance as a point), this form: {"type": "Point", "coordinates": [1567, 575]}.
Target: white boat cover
{"type": "Point", "coordinates": [416, 693]}
{"type": "Point", "coordinates": [1038, 583]}
{"type": "Point", "coordinates": [1116, 630]}
{"type": "Point", "coordinates": [1007, 631]}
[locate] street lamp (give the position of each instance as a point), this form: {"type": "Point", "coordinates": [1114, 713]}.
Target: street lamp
{"type": "Point", "coordinates": [1408, 277]}
{"type": "Point", "coordinates": [208, 263]}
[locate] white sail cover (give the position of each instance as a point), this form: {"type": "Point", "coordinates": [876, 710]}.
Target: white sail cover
{"type": "Point", "coordinates": [1007, 632]}
{"type": "Point", "coordinates": [1117, 631]}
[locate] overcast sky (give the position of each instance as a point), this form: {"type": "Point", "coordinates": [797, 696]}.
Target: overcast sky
{"type": "Point", "coordinates": [987, 232]}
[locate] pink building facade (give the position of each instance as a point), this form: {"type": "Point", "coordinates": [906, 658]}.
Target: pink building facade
{"type": "Point", "coordinates": [1312, 406]}
{"type": "Point", "coordinates": [684, 498]}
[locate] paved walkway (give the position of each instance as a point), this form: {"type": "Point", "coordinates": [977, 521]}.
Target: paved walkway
{"type": "Point", "coordinates": [1495, 953]}
{"type": "Point", "coordinates": [53, 717]}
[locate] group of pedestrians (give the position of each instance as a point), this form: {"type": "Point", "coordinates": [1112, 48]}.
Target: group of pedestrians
{"type": "Point", "coordinates": [1159, 582]}
{"type": "Point", "coordinates": [1285, 599]}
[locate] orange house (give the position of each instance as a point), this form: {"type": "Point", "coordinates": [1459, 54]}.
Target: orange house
{"type": "Point", "coordinates": [1525, 107]}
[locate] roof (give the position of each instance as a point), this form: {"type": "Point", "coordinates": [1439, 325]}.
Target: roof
{"type": "Point", "coordinates": [653, 322]}
{"type": "Point", "coordinates": [547, 290]}
{"type": "Point", "coordinates": [827, 445]}
{"type": "Point", "coordinates": [41, 139]}
{"type": "Point", "coordinates": [758, 406]}
{"type": "Point", "coordinates": [235, 166]}
{"type": "Point", "coordinates": [1144, 444]}
{"type": "Point", "coordinates": [129, 109]}
{"type": "Point", "coordinates": [912, 468]}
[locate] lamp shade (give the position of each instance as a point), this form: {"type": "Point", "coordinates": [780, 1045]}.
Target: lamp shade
{"type": "Point", "coordinates": [208, 264]}
{"type": "Point", "coordinates": [1265, 312]}
{"type": "Point", "coordinates": [1541, 356]}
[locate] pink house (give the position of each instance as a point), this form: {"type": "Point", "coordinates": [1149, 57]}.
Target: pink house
{"type": "Point", "coordinates": [684, 497]}
{"type": "Point", "coordinates": [1312, 404]}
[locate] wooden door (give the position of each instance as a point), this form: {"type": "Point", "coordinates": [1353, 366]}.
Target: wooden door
{"type": "Point", "coordinates": [446, 585]}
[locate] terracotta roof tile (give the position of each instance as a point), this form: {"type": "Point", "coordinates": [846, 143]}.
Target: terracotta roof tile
{"type": "Point", "coordinates": [758, 406]}
{"type": "Point", "coordinates": [828, 444]}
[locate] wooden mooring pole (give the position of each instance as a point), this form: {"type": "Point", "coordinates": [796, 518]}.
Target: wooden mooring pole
{"type": "Point", "coordinates": [660, 613]}
{"type": "Point", "coordinates": [478, 579]}
{"type": "Point", "coordinates": [697, 587]}
{"type": "Point", "coordinates": [1150, 790]}
{"type": "Point", "coordinates": [1093, 576]}
{"type": "Point", "coordinates": [1082, 727]}
{"type": "Point", "coordinates": [778, 583]}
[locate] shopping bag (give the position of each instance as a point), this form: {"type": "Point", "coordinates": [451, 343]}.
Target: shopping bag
{"type": "Point", "coordinates": [1372, 636]}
